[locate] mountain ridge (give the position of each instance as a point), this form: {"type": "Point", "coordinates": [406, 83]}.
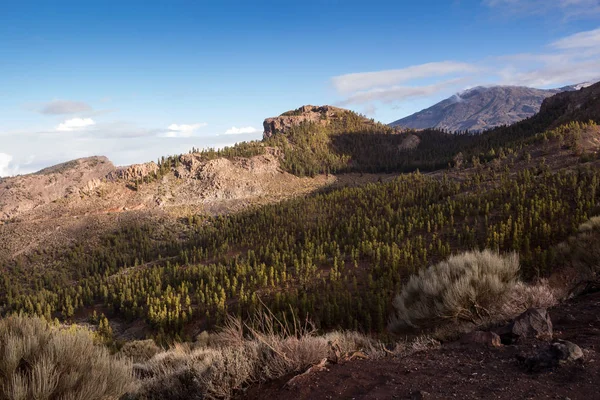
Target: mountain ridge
{"type": "Point", "coordinates": [483, 107]}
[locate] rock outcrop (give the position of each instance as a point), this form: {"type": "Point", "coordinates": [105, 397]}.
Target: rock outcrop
{"type": "Point", "coordinates": [135, 171]}
{"type": "Point", "coordinates": [315, 114]}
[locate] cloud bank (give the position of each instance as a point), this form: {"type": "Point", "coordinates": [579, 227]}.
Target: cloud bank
{"type": "Point", "coordinates": [5, 160]}
{"type": "Point", "coordinates": [368, 80]}
{"type": "Point", "coordinates": [569, 60]}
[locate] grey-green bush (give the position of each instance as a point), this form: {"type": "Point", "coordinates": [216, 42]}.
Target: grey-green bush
{"type": "Point", "coordinates": [469, 286]}
{"type": "Point", "coordinates": [45, 363]}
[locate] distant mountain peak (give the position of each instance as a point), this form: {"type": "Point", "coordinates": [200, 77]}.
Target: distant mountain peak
{"type": "Point", "coordinates": [483, 107]}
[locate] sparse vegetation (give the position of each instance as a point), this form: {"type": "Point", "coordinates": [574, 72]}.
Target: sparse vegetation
{"type": "Point", "coordinates": [245, 353]}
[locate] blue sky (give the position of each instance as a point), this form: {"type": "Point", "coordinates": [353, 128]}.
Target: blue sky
{"type": "Point", "coordinates": [135, 80]}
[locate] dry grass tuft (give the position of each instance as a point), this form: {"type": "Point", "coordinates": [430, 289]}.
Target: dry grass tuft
{"type": "Point", "coordinates": [524, 296]}
{"type": "Point", "coordinates": [40, 362]}
{"type": "Point", "coordinates": [241, 354]}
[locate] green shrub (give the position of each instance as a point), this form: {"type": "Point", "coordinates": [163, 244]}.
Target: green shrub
{"type": "Point", "coordinates": [469, 286]}
{"type": "Point", "coordinates": [41, 362]}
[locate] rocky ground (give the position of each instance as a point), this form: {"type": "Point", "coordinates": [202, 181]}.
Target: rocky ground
{"type": "Point", "coordinates": [468, 370]}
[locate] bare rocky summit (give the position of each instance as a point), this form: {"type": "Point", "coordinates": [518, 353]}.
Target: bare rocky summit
{"type": "Point", "coordinates": [73, 179]}
{"type": "Point", "coordinates": [480, 108]}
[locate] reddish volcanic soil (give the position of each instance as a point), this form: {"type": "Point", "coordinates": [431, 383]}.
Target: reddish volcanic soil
{"type": "Point", "coordinates": [463, 371]}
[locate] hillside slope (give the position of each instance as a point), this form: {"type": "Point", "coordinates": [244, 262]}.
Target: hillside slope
{"type": "Point", "coordinates": [86, 198]}
{"type": "Point", "coordinates": [314, 252]}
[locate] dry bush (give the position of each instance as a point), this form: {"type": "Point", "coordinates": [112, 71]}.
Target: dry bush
{"type": "Point", "coordinates": [524, 296]}
{"type": "Point", "coordinates": [140, 350]}
{"type": "Point", "coordinates": [470, 287]}
{"type": "Point", "coordinates": [40, 362]}
{"type": "Point", "coordinates": [593, 224]}
{"type": "Point", "coordinates": [242, 354]}
{"type": "Point", "coordinates": [579, 258]}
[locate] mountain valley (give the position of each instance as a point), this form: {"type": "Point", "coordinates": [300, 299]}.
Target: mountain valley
{"type": "Point", "coordinates": [325, 220]}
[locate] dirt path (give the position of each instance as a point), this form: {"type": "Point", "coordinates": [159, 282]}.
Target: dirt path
{"type": "Point", "coordinates": [464, 372]}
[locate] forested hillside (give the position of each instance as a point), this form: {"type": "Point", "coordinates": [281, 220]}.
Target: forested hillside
{"type": "Point", "coordinates": [337, 256]}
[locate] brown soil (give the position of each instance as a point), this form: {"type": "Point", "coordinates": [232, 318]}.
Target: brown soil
{"type": "Point", "coordinates": [463, 371]}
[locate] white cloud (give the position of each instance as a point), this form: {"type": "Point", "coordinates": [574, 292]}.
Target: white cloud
{"type": "Point", "coordinates": [368, 80]}
{"type": "Point", "coordinates": [400, 93]}
{"type": "Point", "coordinates": [238, 131]}
{"type": "Point", "coordinates": [551, 75]}
{"type": "Point", "coordinates": [75, 124]}
{"type": "Point", "coordinates": [581, 40]}
{"type": "Point", "coordinates": [5, 160]}
{"type": "Point", "coordinates": [183, 130]}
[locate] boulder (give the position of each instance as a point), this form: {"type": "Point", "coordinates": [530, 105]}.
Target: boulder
{"type": "Point", "coordinates": [481, 338]}
{"type": "Point", "coordinates": [558, 353]}
{"type": "Point", "coordinates": [566, 351]}
{"type": "Point", "coordinates": [533, 323]}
